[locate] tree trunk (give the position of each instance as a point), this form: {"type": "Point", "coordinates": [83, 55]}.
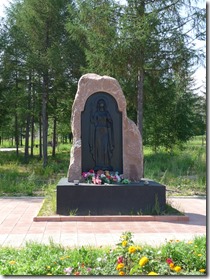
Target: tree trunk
{"type": "Point", "coordinates": [16, 134]}
{"type": "Point", "coordinates": [32, 136]}
{"type": "Point", "coordinates": [26, 154]}
{"type": "Point", "coordinates": [28, 118]}
{"type": "Point", "coordinates": [40, 137]}
{"type": "Point", "coordinates": [140, 91]}
{"type": "Point", "coordinates": [16, 119]}
{"type": "Point", "coordinates": [45, 118]}
{"type": "Point", "coordinates": [54, 136]}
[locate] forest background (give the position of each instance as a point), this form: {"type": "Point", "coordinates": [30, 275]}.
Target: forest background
{"type": "Point", "coordinates": [149, 46]}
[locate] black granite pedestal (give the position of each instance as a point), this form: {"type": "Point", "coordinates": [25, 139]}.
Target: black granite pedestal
{"type": "Point", "coordinates": [114, 199]}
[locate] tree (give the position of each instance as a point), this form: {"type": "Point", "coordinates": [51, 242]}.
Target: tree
{"type": "Point", "coordinates": [138, 40]}
{"type": "Point", "coordinates": [48, 45]}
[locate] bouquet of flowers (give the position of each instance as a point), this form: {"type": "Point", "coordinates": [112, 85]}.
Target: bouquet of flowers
{"type": "Point", "coordinates": [103, 177]}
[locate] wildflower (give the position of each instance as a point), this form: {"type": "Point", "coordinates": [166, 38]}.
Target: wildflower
{"type": "Point", "coordinates": [76, 273]}
{"type": "Point", "coordinates": [124, 243]}
{"type": "Point", "coordinates": [177, 268]}
{"type": "Point", "coordinates": [152, 273]}
{"type": "Point", "coordinates": [121, 273]}
{"type": "Point", "coordinates": [132, 249]}
{"type": "Point", "coordinates": [199, 255]}
{"type": "Point", "coordinates": [49, 273]}
{"type": "Point", "coordinates": [68, 270]}
{"type": "Point", "coordinates": [202, 270]}
{"type": "Point", "coordinates": [190, 242]}
{"type": "Point", "coordinates": [120, 259]}
{"type": "Point", "coordinates": [120, 266]}
{"type": "Point", "coordinates": [143, 261]}
{"type": "Point", "coordinates": [48, 267]}
{"type": "Point", "coordinates": [12, 262]}
{"type": "Point", "coordinates": [169, 260]}
{"type": "Point", "coordinates": [171, 266]}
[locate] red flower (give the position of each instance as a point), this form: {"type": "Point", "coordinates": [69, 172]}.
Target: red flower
{"type": "Point", "coordinates": [120, 259]}
{"type": "Point", "coordinates": [91, 171]}
{"type": "Point", "coordinates": [169, 261]}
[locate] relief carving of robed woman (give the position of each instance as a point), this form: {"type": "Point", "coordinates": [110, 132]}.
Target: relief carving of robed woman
{"type": "Point", "coordinates": [101, 137]}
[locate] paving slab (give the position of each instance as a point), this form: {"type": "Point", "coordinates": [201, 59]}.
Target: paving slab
{"type": "Point", "coordinates": [17, 225]}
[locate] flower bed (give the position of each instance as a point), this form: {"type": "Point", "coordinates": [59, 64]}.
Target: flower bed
{"type": "Point", "coordinates": [126, 258]}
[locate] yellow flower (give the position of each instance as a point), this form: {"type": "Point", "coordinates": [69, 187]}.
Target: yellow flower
{"type": "Point", "coordinates": [48, 267]}
{"type": "Point", "coordinates": [199, 255]}
{"type": "Point", "coordinates": [171, 265]}
{"type": "Point", "coordinates": [120, 266]}
{"type": "Point", "coordinates": [124, 243]}
{"type": "Point", "coordinates": [132, 249]}
{"type": "Point", "coordinates": [121, 273]}
{"type": "Point", "coordinates": [152, 273]}
{"type": "Point", "coordinates": [177, 268]}
{"type": "Point", "coordinates": [190, 242]}
{"type": "Point", "coordinates": [143, 261]}
{"type": "Point", "coordinates": [12, 262]}
{"type": "Point", "coordinates": [202, 270]}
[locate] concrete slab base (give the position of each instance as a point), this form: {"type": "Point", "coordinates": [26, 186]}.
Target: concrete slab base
{"type": "Point", "coordinates": [113, 199]}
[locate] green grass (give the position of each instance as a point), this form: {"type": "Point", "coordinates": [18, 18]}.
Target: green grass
{"type": "Point", "coordinates": [183, 171]}
{"type": "Point", "coordinates": [189, 258]}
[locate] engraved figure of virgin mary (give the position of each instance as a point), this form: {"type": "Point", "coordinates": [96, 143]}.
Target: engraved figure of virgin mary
{"type": "Point", "coordinates": [101, 138]}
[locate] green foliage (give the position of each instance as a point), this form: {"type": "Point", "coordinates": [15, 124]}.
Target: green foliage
{"type": "Point", "coordinates": [126, 258]}
{"type": "Point", "coordinates": [19, 178]}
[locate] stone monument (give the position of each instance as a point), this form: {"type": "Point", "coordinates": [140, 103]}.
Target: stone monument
{"type": "Point", "coordinates": [105, 139]}
{"type": "Point", "coordinates": [103, 136]}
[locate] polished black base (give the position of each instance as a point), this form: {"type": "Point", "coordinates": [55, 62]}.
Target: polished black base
{"type": "Point", "coordinates": [124, 199]}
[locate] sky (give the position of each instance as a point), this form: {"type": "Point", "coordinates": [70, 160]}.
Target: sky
{"type": "Point", "coordinates": [200, 74]}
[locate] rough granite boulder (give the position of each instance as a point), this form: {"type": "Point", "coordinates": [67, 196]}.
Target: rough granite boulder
{"type": "Point", "coordinates": [132, 140]}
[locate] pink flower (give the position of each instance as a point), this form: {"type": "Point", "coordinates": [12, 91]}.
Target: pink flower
{"type": "Point", "coordinates": [84, 174]}
{"type": "Point", "coordinates": [169, 261]}
{"type": "Point", "coordinates": [68, 270]}
{"type": "Point", "coordinates": [96, 180]}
